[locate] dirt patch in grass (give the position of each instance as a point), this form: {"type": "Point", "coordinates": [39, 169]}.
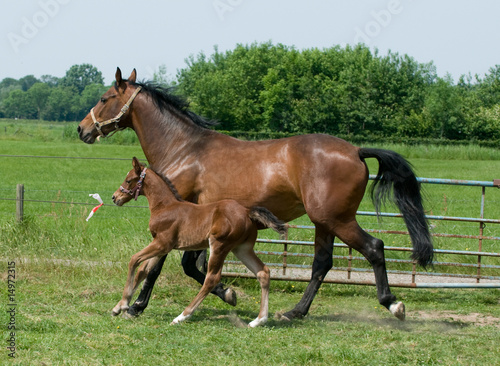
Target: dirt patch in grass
{"type": "Point", "coordinates": [469, 319]}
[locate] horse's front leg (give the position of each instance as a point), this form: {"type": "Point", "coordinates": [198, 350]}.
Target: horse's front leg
{"type": "Point", "coordinates": [152, 250]}
{"type": "Point", "coordinates": [142, 300]}
{"type": "Point", "coordinates": [323, 262]}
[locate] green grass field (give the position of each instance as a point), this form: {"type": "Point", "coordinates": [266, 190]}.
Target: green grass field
{"type": "Point", "coordinates": [70, 273]}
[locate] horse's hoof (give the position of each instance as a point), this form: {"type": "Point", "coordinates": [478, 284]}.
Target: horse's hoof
{"type": "Point", "coordinates": [133, 313]}
{"type": "Point", "coordinates": [230, 297]}
{"type": "Point", "coordinates": [398, 310]}
{"type": "Point", "coordinates": [289, 315]}
{"type": "Point", "coordinates": [179, 319]}
{"type": "Point", "coordinates": [127, 315]}
{"type": "Point", "coordinates": [257, 322]}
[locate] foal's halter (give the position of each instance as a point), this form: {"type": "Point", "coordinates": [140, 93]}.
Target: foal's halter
{"type": "Point", "coordinates": [116, 119]}
{"type": "Point", "coordinates": [136, 190]}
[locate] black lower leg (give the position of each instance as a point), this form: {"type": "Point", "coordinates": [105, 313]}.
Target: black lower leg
{"type": "Point", "coordinates": [322, 264]}
{"type": "Point", "coordinates": [375, 255]}
{"type": "Point", "coordinates": [143, 299]}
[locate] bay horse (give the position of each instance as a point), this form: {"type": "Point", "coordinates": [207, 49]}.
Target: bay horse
{"type": "Point", "coordinates": [224, 226]}
{"type": "Point", "coordinates": [319, 175]}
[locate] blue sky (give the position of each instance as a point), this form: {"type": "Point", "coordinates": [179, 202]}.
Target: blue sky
{"type": "Point", "coordinates": [49, 36]}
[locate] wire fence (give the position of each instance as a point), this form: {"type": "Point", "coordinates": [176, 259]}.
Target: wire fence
{"type": "Point", "coordinates": [291, 259]}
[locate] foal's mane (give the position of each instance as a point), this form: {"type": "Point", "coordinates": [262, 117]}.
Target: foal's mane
{"type": "Point", "coordinates": [170, 185]}
{"type": "Point", "coordinates": [165, 97]}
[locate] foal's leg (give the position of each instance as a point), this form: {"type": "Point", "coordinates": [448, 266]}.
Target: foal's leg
{"type": "Point", "coordinates": [373, 250]}
{"type": "Point", "coordinates": [189, 265]}
{"type": "Point", "coordinates": [247, 256]}
{"type": "Point", "coordinates": [323, 250]}
{"type": "Point", "coordinates": [143, 299]}
{"type": "Point", "coordinates": [152, 250]}
{"type": "Point", "coordinates": [217, 255]}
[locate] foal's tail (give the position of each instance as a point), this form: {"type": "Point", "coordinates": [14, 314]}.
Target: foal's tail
{"type": "Point", "coordinates": [265, 217]}
{"type": "Point", "coordinates": [396, 174]}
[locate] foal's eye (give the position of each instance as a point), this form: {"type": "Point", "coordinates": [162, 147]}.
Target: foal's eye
{"type": "Point", "coordinates": [127, 181]}
{"type": "Point", "coordinates": [103, 100]}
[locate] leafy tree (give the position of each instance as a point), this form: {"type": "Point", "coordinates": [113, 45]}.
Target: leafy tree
{"type": "Point", "coordinates": [49, 80]}
{"type": "Point", "coordinates": [38, 95]}
{"type": "Point", "coordinates": [62, 104]}
{"type": "Point", "coordinates": [79, 76]}
{"type": "Point", "coordinates": [19, 105]}
{"type": "Point", "coordinates": [27, 82]}
{"type": "Point", "coordinates": [489, 87]}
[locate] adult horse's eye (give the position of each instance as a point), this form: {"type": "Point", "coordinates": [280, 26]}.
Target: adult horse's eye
{"type": "Point", "coordinates": [103, 100]}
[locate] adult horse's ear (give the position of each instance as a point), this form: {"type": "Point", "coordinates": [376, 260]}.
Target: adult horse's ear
{"type": "Point", "coordinates": [118, 76]}
{"type": "Point", "coordinates": [133, 76]}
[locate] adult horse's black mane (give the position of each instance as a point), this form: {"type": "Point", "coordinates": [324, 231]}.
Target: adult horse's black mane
{"type": "Point", "coordinates": [164, 98]}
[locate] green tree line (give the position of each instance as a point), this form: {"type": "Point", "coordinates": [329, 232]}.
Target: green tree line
{"type": "Point", "coordinates": [267, 88]}
{"type": "Point", "coordinates": [57, 99]}
{"type": "Point", "coordinates": [346, 91]}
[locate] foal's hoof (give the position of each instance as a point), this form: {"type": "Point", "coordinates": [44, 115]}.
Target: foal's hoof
{"type": "Point", "coordinates": [118, 309]}
{"type": "Point", "coordinates": [398, 310]}
{"type": "Point", "coordinates": [257, 322]}
{"type": "Point", "coordinates": [230, 297]}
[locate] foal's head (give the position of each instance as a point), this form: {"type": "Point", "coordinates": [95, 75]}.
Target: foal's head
{"type": "Point", "coordinates": [132, 185]}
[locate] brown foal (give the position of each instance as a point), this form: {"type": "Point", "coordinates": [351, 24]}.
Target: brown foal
{"type": "Point", "coordinates": [224, 226]}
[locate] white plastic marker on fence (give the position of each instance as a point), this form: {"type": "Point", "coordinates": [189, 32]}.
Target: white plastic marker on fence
{"type": "Point", "coordinates": [98, 198]}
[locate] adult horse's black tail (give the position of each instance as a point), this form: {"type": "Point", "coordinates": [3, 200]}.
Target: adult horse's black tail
{"type": "Point", "coordinates": [396, 174]}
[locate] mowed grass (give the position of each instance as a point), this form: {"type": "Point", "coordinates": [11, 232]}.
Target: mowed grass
{"type": "Point", "coordinates": [70, 273]}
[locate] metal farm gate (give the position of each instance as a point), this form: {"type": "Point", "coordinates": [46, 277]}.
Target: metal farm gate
{"type": "Point", "coordinates": [469, 259]}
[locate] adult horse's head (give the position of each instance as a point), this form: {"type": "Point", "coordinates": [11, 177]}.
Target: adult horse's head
{"type": "Point", "coordinates": [111, 112]}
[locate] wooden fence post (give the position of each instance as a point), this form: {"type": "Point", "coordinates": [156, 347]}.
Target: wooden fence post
{"type": "Point", "coordinates": [20, 202]}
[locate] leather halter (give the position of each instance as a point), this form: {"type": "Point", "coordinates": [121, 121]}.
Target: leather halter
{"type": "Point", "coordinates": [116, 119]}
{"type": "Point", "coordinates": [136, 190]}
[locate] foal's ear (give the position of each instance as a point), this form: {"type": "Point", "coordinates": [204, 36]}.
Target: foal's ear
{"type": "Point", "coordinates": [137, 165]}
{"type": "Point", "coordinates": [133, 76]}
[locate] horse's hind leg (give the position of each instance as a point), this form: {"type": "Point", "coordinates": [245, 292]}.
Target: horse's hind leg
{"type": "Point", "coordinates": [212, 278]}
{"type": "Point", "coordinates": [373, 250]}
{"type": "Point", "coordinates": [143, 299]}
{"type": "Point", "coordinates": [247, 256]}
{"type": "Point", "coordinates": [189, 265]}
{"type": "Point", "coordinates": [323, 250]}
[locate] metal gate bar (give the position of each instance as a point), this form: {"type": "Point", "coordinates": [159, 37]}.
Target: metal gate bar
{"type": "Point", "coordinates": [345, 274]}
